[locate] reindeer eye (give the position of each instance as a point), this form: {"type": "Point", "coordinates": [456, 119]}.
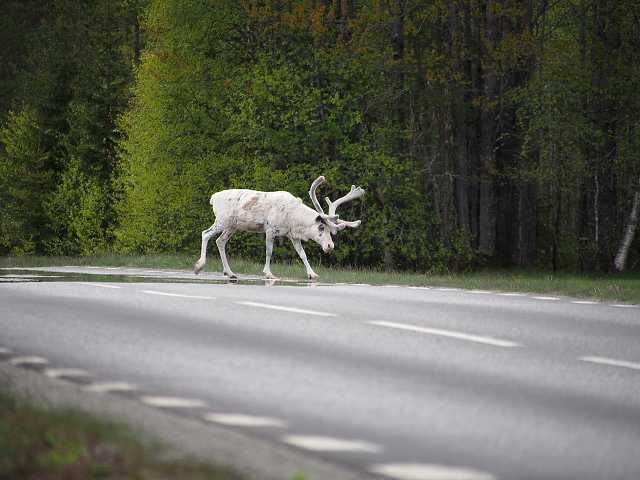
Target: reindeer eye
{"type": "Point", "coordinates": [321, 228]}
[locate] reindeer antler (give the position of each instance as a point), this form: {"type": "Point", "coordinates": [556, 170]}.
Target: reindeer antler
{"type": "Point", "coordinates": [312, 193]}
{"type": "Point", "coordinates": [354, 193]}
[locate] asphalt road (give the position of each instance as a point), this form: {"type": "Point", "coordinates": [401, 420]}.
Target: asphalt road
{"type": "Point", "coordinates": [407, 383]}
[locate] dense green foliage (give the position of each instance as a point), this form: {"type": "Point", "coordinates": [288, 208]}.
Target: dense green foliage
{"type": "Point", "coordinates": [70, 70]}
{"type": "Point", "coordinates": [484, 131]}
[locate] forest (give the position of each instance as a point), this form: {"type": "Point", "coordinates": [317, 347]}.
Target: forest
{"type": "Point", "coordinates": [487, 133]}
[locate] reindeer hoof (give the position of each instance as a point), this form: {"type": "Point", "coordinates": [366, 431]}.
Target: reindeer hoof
{"type": "Point", "coordinates": [198, 268]}
{"type": "Point", "coordinates": [312, 276]}
{"type": "Point", "coordinates": [230, 275]}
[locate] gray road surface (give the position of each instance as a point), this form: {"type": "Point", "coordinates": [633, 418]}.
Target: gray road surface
{"type": "Point", "coordinates": [407, 383]}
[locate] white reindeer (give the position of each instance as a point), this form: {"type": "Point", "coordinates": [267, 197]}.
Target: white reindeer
{"type": "Point", "coordinates": [277, 214]}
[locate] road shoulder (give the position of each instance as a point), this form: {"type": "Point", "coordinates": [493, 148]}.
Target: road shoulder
{"type": "Point", "coordinates": [254, 457]}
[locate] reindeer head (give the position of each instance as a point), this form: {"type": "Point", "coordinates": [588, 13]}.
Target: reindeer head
{"type": "Point", "coordinates": [330, 224]}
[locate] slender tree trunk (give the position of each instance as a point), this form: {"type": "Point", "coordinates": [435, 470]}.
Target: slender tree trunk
{"type": "Point", "coordinates": [623, 250]}
{"type": "Point", "coordinates": [387, 234]}
{"type": "Point", "coordinates": [526, 224]}
{"type": "Point", "coordinates": [461, 160]}
{"type": "Point", "coordinates": [472, 75]}
{"type": "Point", "coordinates": [525, 218]}
{"type": "Point", "coordinates": [457, 48]}
{"type": "Point", "coordinates": [487, 213]}
{"type": "Point", "coordinates": [605, 24]}
{"type": "Point", "coordinates": [556, 229]}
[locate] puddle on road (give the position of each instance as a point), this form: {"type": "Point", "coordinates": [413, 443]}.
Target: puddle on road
{"type": "Point", "coordinates": [14, 275]}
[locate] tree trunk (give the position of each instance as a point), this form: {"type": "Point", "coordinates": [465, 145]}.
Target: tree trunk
{"type": "Point", "coordinates": [487, 213]}
{"type": "Point", "coordinates": [387, 234]}
{"type": "Point", "coordinates": [472, 75]}
{"type": "Point", "coordinates": [526, 248]}
{"type": "Point", "coordinates": [606, 29]}
{"type": "Point", "coordinates": [623, 250]}
{"type": "Point", "coordinates": [457, 49]}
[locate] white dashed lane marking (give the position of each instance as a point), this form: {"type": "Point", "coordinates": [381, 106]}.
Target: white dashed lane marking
{"type": "Point", "coordinates": [496, 342]}
{"type": "Point", "coordinates": [612, 362]}
{"type": "Point", "coordinates": [512, 294]}
{"type": "Point", "coordinates": [66, 373]}
{"type": "Point", "coordinates": [546, 298]}
{"type": "Point", "coordinates": [31, 276]}
{"type": "Point", "coordinates": [101, 285]}
{"type": "Point", "coordinates": [32, 360]}
{"type": "Point", "coordinates": [172, 402]}
{"type": "Point", "coordinates": [180, 295]}
{"type": "Point", "coordinates": [624, 306]}
{"type": "Point", "coordinates": [106, 387]}
{"type": "Point", "coordinates": [330, 444]}
{"type": "Point", "coordinates": [428, 471]}
{"type": "Point", "coordinates": [585, 302]}
{"type": "Point", "coordinates": [238, 420]}
{"type": "Point", "coordinates": [285, 309]}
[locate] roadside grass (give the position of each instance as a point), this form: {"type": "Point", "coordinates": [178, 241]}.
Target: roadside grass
{"type": "Point", "coordinates": [37, 442]}
{"type": "Point", "coordinates": [619, 287]}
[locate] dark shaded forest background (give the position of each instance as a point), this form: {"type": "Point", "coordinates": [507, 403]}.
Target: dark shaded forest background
{"type": "Point", "coordinates": [486, 132]}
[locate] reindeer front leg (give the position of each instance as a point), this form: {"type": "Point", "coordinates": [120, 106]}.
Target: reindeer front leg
{"type": "Point", "coordinates": [297, 244]}
{"type": "Point", "coordinates": [212, 231]}
{"type": "Point", "coordinates": [269, 236]}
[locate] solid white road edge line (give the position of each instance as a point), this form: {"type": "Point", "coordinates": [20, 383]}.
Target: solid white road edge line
{"type": "Point", "coordinates": [330, 444]}
{"type": "Point", "coordinates": [284, 309]}
{"type": "Point", "coordinates": [496, 342]}
{"type": "Point", "coordinates": [612, 362]}
{"type": "Point", "coordinates": [239, 420]}
{"type": "Point", "coordinates": [166, 294]}
{"type": "Point", "coordinates": [428, 471]}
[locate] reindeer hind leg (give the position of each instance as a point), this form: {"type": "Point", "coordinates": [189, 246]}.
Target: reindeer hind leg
{"type": "Point", "coordinates": [222, 242]}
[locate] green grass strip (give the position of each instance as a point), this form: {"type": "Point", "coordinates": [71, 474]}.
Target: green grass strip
{"type": "Point", "coordinates": [624, 287]}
